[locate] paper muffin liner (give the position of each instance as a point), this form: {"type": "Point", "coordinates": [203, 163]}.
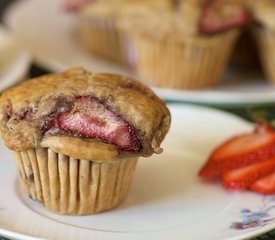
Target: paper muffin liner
{"type": "Point", "coordinates": [266, 46]}
{"type": "Point", "coordinates": [191, 63]}
{"type": "Point", "coordinates": [73, 186]}
{"type": "Point", "coordinates": [102, 37]}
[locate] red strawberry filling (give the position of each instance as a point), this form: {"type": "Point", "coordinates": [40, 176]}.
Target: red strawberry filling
{"type": "Point", "coordinates": [90, 118]}
{"type": "Point", "coordinates": [74, 5]}
{"type": "Point", "coordinates": [220, 15]}
{"type": "Point", "coordinates": [8, 111]}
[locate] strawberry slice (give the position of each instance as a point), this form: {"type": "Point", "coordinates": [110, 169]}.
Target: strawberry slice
{"type": "Point", "coordinates": [242, 178]}
{"type": "Point", "coordinates": [220, 15]}
{"type": "Point", "coordinates": [265, 185]}
{"type": "Point", "coordinates": [241, 151]}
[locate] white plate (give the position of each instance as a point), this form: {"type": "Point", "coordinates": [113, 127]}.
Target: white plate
{"type": "Point", "coordinates": [47, 31]}
{"type": "Point", "coordinates": [14, 60]}
{"type": "Point", "coordinates": [167, 200]}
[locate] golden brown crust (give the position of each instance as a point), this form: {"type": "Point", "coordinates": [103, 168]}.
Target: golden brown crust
{"type": "Point", "coordinates": [100, 9]}
{"type": "Point", "coordinates": [114, 8]}
{"type": "Point", "coordinates": [173, 21]}
{"type": "Point", "coordinates": [77, 148]}
{"type": "Point", "coordinates": [36, 99]}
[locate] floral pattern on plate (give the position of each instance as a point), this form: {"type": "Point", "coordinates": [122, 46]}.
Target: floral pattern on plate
{"type": "Point", "coordinates": [256, 218]}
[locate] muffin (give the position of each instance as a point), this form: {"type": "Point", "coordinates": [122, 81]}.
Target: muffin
{"type": "Point", "coordinates": [135, 14]}
{"type": "Point", "coordinates": [187, 45]}
{"type": "Point", "coordinates": [98, 27]}
{"type": "Point", "coordinates": [77, 136]}
{"type": "Point", "coordinates": [264, 30]}
{"type": "Point", "coordinates": [97, 30]}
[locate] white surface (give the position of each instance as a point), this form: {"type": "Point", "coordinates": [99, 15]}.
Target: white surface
{"type": "Point", "coordinates": [47, 31]}
{"type": "Point", "coordinates": [14, 60]}
{"type": "Point", "coordinates": [167, 200]}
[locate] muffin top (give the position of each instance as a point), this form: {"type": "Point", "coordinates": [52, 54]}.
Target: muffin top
{"type": "Point", "coordinates": [183, 18]}
{"type": "Point", "coordinates": [102, 8]}
{"type": "Point", "coordinates": [89, 116]}
{"type": "Point", "coordinates": [263, 12]}
{"type": "Point", "coordinates": [115, 8]}
{"type": "Point", "coordinates": [148, 17]}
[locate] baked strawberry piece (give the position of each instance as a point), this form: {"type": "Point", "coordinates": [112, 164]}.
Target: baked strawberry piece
{"type": "Point", "coordinates": [74, 5]}
{"type": "Point", "coordinates": [90, 118]}
{"type": "Point", "coordinates": [221, 15]}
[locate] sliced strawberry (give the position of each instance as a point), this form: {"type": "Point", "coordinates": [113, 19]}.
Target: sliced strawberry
{"type": "Point", "coordinates": [241, 151]}
{"type": "Point", "coordinates": [242, 178]}
{"type": "Point", "coordinates": [265, 185]}
{"type": "Point", "coordinates": [220, 15]}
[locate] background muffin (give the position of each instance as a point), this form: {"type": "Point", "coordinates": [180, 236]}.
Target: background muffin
{"type": "Point", "coordinates": [77, 136]}
{"type": "Point", "coordinates": [139, 14]}
{"type": "Point", "coordinates": [98, 26]}
{"type": "Point", "coordinates": [188, 44]}
{"type": "Point", "coordinates": [98, 32]}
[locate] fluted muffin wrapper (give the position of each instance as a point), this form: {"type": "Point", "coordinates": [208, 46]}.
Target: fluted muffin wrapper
{"type": "Point", "coordinates": [102, 38]}
{"type": "Point", "coordinates": [73, 186]}
{"type": "Point", "coordinates": [192, 63]}
{"type": "Point", "coordinates": [266, 45]}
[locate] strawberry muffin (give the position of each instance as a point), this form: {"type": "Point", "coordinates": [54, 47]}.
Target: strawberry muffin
{"type": "Point", "coordinates": [137, 14]}
{"type": "Point", "coordinates": [77, 136]}
{"type": "Point", "coordinates": [98, 26]}
{"type": "Point", "coordinates": [188, 44]}
{"type": "Point", "coordinates": [98, 32]}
